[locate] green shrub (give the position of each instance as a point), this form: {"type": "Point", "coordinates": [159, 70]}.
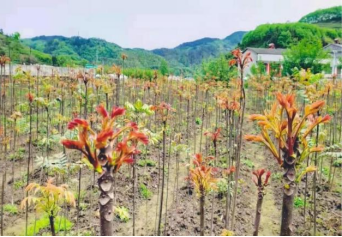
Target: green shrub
{"type": "Point", "coordinates": [145, 192]}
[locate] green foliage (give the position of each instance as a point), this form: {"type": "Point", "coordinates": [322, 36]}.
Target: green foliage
{"type": "Point", "coordinates": [146, 162]}
{"type": "Point", "coordinates": [337, 162]}
{"type": "Point", "coordinates": [61, 224]}
{"type": "Point", "coordinates": [145, 192]}
{"type": "Point", "coordinates": [222, 186]}
{"type": "Point", "coordinates": [325, 171]}
{"type": "Point", "coordinates": [307, 54]}
{"type": "Point", "coordinates": [248, 163]}
{"type": "Point", "coordinates": [198, 121]}
{"type": "Point", "coordinates": [218, 68]}
{"type": "Point", "coordinates": [283, 35]}
{"type": "Point", "coordinates": [122, 213]}
{"type": "Point", "coordinates": [298, 202]}
{"type": "Point", "coordinates": [12, 209]}
{"type": "Point", "coordinates": [164, 68]}
{"type": "Point", "coordinates": [17, 155]}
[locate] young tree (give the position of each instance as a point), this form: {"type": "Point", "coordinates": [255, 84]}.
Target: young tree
{"type": "Point", "coordinates": [291, 132]}
{"type": "Point", "coordinates": [49, 199]}
{"type": "Point", "coordinates": [104, 152]}
{"type": "Point", "coordinates": [164, 68]}
{"type": "Point", "coordinates": [201, 175]}
{"type": "Point", "coordinates": [261, 184]}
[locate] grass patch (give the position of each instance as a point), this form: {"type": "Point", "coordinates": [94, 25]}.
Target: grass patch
{"type": "Point", "coordinates": [145, 192]}
{"type": "Point", "coordinates": [61, 224]}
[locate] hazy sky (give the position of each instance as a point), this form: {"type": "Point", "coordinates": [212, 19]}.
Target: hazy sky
{"type": "Point", "coordinates": [148, 23]}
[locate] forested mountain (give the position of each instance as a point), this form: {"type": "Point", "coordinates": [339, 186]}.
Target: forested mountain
{"type": "Point", "coordinates": [193, 53]}
{"type": "Point", "coordinates": [79, 51]}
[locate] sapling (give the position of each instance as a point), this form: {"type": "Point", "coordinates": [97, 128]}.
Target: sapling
{"type": "Point", "coordinates": [241, 61]}
{"type": "Point", "coordinates": [105, 153]}
{"type": "Point", "coordinates": [201, 176]}
{"type": "Point", "coordinates": [48, 198]}
{"type": "Point", "coordinates": [291, 132]}
{"type": "Point", "coordinates": [214, 137]}
{"type": "Point", "coordinates": [163, 111]}
{"type": "Point", "coordinates": [261, 184]}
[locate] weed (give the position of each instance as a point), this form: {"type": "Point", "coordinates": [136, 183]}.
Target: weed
{"type": "Point", "coordinates": [277, 176]}
{"type": "Point", "coordinates": [298, 202]}
{"type": "Point", "coordinates": [12, 209]}
{"type": "Point", "coordinates": [248, 162]}
{"type": "Point", "coordinates": [146, 162]}
{"type": "Point", "coordinates": [122, 213]}
{"type": "Point", "coordinates": [145, 192]}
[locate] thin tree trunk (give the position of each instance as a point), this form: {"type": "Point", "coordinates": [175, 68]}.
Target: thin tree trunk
{"type": "Point", "coordinates": [52, 225]}
{"type": "Point", "coordinates": [163, 180]}
{"type": "Point", "coordinates": [106, 184]}
{"type": "Point", "coordinates": [202, 202]}
{"type": "Point", "coordinates": [258, 212]}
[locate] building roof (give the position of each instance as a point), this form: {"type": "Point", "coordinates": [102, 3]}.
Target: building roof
{"type": "Point", "coordinates": [336, 47]}
{"type": "Point", "coordinates": [266, 51]}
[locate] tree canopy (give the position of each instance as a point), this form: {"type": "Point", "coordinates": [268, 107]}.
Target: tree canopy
{"type": "Point", "coordinates": [307, 54]}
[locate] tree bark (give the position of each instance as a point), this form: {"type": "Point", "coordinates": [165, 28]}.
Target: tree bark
{"type": "Point", "coordinates": [288, 196]}
{"type": "Point", "coordinates": [106, 186]}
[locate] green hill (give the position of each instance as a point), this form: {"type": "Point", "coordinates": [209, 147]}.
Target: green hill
{"type": "Point", "coordinates": [20, 53]}
{"type": "Point", "coordinates": [285, 34]}
{"type": "Point", "coordinates": [78, 50]}
{"type": "Point", "coordinates": [329, 18]}
{"type": "Point", "coordinates": [193, 53]}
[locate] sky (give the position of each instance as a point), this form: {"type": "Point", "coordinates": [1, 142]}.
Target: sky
{"type": "Point", "coordinates": [149, 24]}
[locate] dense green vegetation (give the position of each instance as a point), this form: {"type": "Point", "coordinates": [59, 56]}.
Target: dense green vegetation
{"type": "Point", "coordinates": [218, 68]}
{"type": "Point", "coordinates": [285, 34]}
{"type": "Point", "coordinates": [329, 17]}
{"type": "Point", "coordinates": [19, 53]}
{"type": "Point", "coordinates": [307, 54]}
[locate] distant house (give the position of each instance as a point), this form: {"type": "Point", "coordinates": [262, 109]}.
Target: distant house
{"type": "Point", "coordinates": [335, 51]}
{"type": "Point", "coordinates": [264, 55]}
